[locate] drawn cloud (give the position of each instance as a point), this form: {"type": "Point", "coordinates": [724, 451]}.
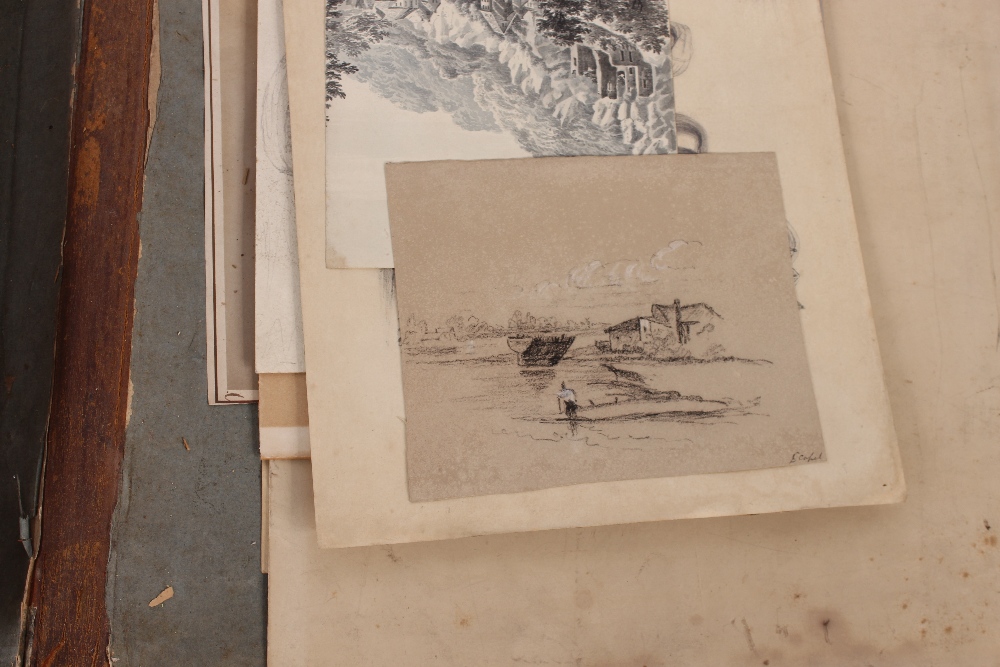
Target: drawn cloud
{"type": "Point", "coordinates": [617, 274]}
{"type": "Point", "coordinates": [678, 255]}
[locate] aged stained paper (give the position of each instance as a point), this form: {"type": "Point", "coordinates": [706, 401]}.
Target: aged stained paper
{"type": "Point", "coordinates": [897, 586]}
{"type": "Point", "coordinates": [351, 334]}
{"type": "Point", "coordinates": [283, 416]}
{"type": "Point", "coordinates": [279, 353]}
{"type": "Point", "coordinates": [573, 320]}
{"type": "Point", "coordinates": [475, 79]}
{"type": "Point", "coordinates": [229, 196]}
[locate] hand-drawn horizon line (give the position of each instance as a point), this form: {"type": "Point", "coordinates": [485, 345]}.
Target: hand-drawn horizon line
{"type": "Point", "coordinates": [542, 340]}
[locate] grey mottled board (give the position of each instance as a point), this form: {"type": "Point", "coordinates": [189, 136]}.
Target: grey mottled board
{"type": "Point", "coordinates": [185, 519]}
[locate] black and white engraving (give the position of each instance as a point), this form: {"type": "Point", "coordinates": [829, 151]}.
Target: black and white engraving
{"type": "Point", "coordinates": [565, 77]}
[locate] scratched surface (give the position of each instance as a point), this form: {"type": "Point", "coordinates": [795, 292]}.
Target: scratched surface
{"type": "Point", "coordinates": [189, 519]}
{"type": "Point", "coordinates": [910, 585]}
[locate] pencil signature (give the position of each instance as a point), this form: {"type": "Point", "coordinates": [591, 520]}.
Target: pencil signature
{"type": "Point", "coordinates": [799, 457]}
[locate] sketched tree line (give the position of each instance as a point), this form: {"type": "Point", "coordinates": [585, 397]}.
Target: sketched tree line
{"type": "Point", "coordinates": [573, 21]}
{"type": "Point", "coordinates": [347, 37]}
{"type": "Point", "coordinates": [462, 328]}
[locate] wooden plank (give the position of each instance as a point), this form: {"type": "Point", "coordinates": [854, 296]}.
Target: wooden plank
{"type": "Point", "coordinates": [93, 343]}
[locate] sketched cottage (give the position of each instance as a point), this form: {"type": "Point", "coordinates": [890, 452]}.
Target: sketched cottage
{"type": "Point", "coordinates": [398, 10]}
{"type": "Point", "coordinates": [621, 74]}
{"type": "Point", "coordinates": [667, 331]}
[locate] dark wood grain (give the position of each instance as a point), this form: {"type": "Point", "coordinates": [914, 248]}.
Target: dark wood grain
{"type": "Point", "coordinates": [93, 341]}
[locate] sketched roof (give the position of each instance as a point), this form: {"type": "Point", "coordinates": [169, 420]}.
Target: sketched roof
{"type": "Point", "coordinates": [395, 13]}
{"type": "Point", "coordinates": [695, 312]}
{"type": "Point", "coordinates": [423, 11]}
{"type": "Point", "coordinates": [395, 10]}
{"type": "Point", "coordinates": [499, 24]}
{"type": "Point", "coordinates": [698, 312]}
{"type": "Point", "coordinates": [627, 325]}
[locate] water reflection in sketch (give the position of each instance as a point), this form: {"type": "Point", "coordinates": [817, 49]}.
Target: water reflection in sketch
{"type": "Point", "coordinates": [613, 380]}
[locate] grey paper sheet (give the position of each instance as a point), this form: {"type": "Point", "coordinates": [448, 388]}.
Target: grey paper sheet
{"type": "Point", "coordinates": [591, 319]}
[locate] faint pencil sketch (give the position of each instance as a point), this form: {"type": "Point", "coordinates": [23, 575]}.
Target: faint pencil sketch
{"type": "Point", "coordinates": [564, 78]}
{"type": "Point", "coordinates": [275, 121]}
{"type": "Point", "coordinates": [691, 136]}
{"type": "Point", "coordinates": [681, 47]}
{"type": "Point", "coordinates": [277, 315]}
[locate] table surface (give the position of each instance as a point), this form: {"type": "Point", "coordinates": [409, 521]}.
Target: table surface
{"type": "Point", "coordinates": [190, 519]}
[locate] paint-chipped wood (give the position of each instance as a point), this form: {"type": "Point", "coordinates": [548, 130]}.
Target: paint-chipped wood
{"type": "Point", "coordinates": [93, 341]}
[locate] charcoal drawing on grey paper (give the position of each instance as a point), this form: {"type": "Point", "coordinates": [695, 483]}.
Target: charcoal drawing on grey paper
{"type": "Point", "coordinates": [576, 320]}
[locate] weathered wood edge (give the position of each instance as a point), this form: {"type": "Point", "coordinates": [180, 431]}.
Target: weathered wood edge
{"type": "Point", "coordinates": [86, 435]}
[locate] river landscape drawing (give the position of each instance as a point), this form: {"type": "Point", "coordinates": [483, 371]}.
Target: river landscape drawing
{"type": "Point", "coordinates": [652, 382]}
{"type": "Point", "coordinates": [600, 319]}
{"type": "Point", "coordinates": [602, 374]}
{"type": "Point", "coordinates": [665, 385]}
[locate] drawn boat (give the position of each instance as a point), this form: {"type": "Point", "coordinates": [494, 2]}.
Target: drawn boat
{"type": "Point", "coordinates": [635, 410]}
{"type": "Point", "coordinates": [540, 350]}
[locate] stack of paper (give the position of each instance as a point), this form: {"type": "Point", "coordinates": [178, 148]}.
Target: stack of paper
{"type": "Point", "coordinates": [528, 265]}
{"type": "Point", "coordinates": [441, 401]}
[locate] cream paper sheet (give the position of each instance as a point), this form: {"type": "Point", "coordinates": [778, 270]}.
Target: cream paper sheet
{"type": "Point", "coordinates": [229, 194]}
{"type": "Point", "coordinates": [277, 309]}
{"type": "Point", "coordinates": [283, 417]}
{"type": "Point", "coordinates": [279, 354]}
{"type": "Point", "coordinates": [355, 400]}
{"type": "Point", "coordinates": [909, 585]}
